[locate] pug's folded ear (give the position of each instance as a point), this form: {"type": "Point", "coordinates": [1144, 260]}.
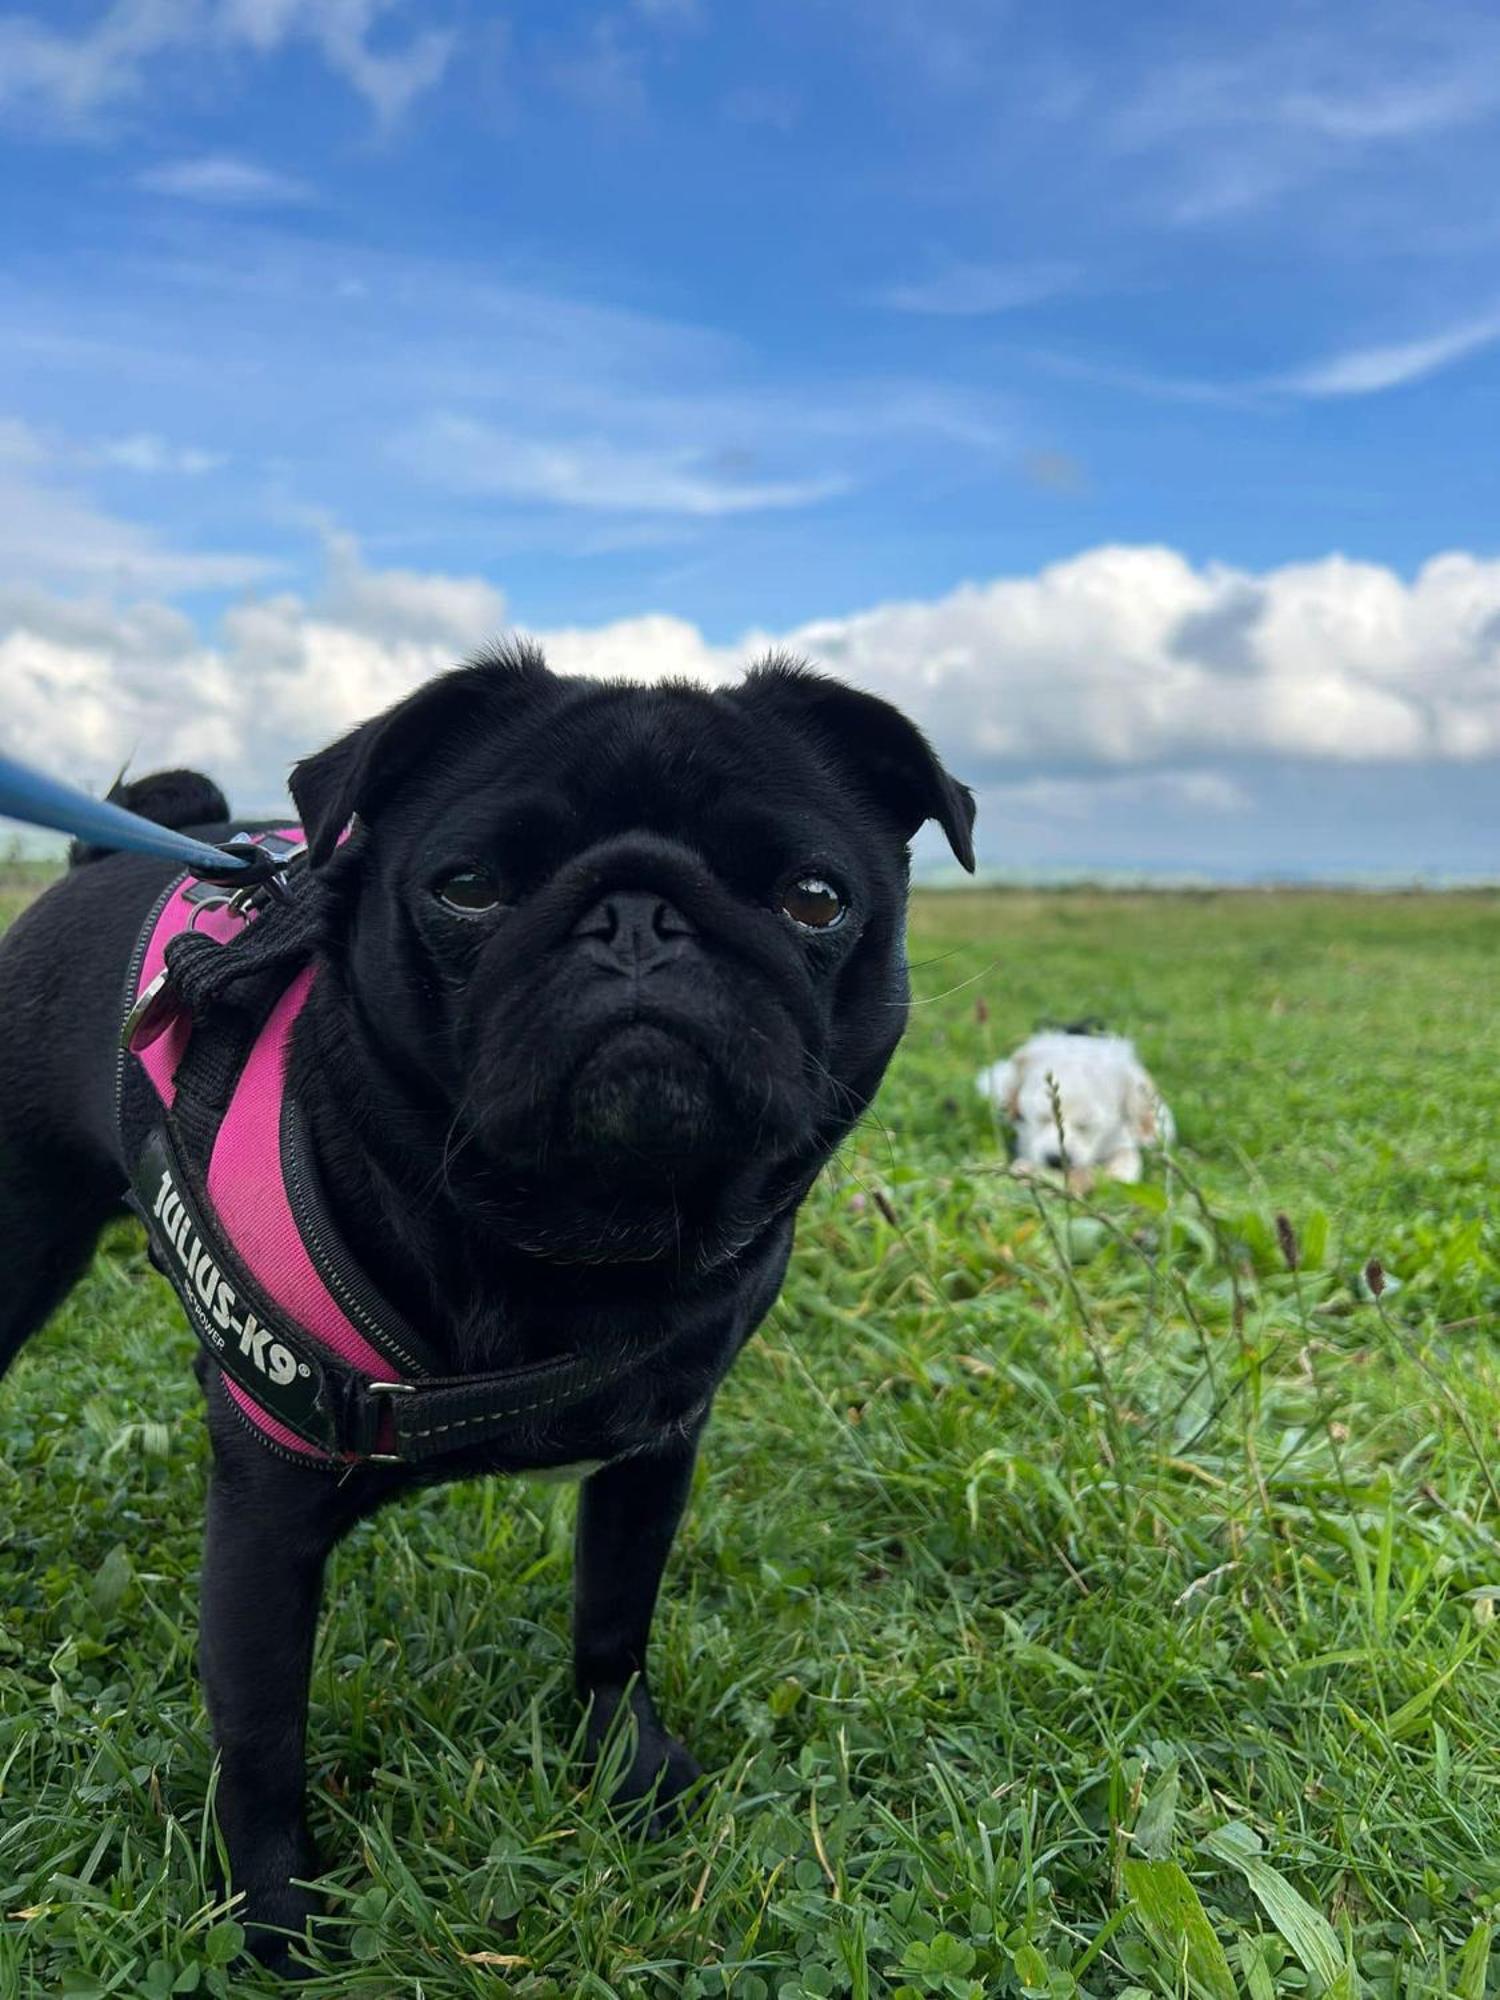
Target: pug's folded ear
{"type": "Point", "coordinates": [359, 772]}
{"type": "Point", "coordinates": [888, 755]}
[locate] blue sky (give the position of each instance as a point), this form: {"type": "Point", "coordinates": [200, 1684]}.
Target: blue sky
{"type": "Point", "coordinates": [332, 332]}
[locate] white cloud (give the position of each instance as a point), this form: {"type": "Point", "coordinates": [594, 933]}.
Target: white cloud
{"type": "Point", "coordinates": [409, 604]}
{"type": "Point", "coordinates": [1126, 656]}
{"type": "Point", "coordinates": [1365, 371]}
{"type": "Point", "coordinates": [976, 291]}
{"type": "Point", "coordinates": [70, 81]}
{"type": "Point", "coordinates": [42, 679]}
{"type": "Point", "coordinates": [465, 456]}
{"type": "Point", "coordinates": [88, 685]}
{"type": "Point", "coordinates": [1125, 676]}
{"type": "Point", "coordinates": [649, 648]}
{"type": "Point", "coordinates": [222, 181]}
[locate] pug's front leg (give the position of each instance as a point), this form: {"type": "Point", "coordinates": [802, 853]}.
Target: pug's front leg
{"type": "Point", "coordinates": [270, 1528]}
{"type": "Point", "coordinates": [627, 1518]}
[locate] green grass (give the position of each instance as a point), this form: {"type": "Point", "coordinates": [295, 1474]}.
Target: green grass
{"type": "Point", "coordinates": [19, 882]}
{"type": "Point", "coordinates": [1076, 1599]}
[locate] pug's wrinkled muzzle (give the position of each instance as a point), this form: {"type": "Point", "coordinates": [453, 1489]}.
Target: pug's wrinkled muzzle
{"type": "Point", "coordinates": [659, 1024]}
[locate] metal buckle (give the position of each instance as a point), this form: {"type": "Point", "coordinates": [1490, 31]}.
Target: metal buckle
{"type": "Point", "coordinates": [387, 1389]}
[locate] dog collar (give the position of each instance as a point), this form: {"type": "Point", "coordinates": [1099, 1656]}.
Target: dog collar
{"type": "Point", "coordinates": [224, 1179]}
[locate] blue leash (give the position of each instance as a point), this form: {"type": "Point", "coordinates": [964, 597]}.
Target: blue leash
{"type": "Point", "coordinates": [37, 800]}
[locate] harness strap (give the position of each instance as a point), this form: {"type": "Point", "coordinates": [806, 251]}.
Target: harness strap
{"type": "Point", "coordinates": [303, 1385]}
{"type": "Point", "coordinates": [431, 1419]}
{"type": "Point", "coordinates": [225, 1179]}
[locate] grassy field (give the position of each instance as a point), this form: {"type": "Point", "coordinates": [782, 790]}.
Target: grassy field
{"type": "Point", "coordinates": [1079, 1598]}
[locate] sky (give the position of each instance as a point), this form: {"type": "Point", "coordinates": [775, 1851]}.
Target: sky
{"type": "Point", "coordinates": [1117, 389]}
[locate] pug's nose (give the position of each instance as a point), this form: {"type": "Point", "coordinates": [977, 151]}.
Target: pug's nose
{"type": "Point", "coordinates": [634, 931]}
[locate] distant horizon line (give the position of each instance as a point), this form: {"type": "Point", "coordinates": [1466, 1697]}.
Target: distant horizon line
{"type": "Point", "coordinates": [23, 846]}
{"type": "Point", "coordinates": [1167, 879]}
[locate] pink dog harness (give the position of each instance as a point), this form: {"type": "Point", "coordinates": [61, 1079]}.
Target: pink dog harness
{"type": "Point", "coordinates": [224, 1179]}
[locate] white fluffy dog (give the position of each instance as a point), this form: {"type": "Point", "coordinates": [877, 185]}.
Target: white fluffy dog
{"type": "Point", "coordinates": [1080, 1103]}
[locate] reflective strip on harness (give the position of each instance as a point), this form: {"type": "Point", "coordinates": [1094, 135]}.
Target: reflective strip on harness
{"type": "Point", "coordinates": [227, 1310]}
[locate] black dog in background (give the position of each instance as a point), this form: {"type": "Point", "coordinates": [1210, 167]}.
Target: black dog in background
{"type": "Point", "coordinates": [607, 973]}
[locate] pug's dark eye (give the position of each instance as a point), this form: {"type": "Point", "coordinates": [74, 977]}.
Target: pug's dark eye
{"type": "Point", "coordinates": [468, 891]}
{"type": "Point", "coordinates": [811, 902]}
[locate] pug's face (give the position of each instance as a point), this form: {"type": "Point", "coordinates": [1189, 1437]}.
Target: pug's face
{"type": "Point", "coordinates": [641, 950]}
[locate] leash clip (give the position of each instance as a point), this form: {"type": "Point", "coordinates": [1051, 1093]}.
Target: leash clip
{"type": "Point", "coordinates": [252, 871]}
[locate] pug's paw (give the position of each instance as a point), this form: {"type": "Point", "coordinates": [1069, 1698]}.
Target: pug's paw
{"type": "Point", "coordinates": [661, 1772]}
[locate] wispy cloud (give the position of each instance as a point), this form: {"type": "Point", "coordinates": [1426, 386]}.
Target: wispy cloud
{"type": "Point", "coordinates": [146, 453]}
{"type": "Point", "coordinates": [23, 444]}
{"type": "Point", "coordinates": [1366, 371]}
{"type": "Point", "coordinates": [975, 291]}
{"type": "Point", "coordinates": [221, 180]}
{"type": "Point", "coordinates": [70, 82]}
{"type": "Point", "coordinates": [1357, 371]}
{"type": "Point", "coordinates": [20, 444]}
{"type": "Point", "coordinates": [50, 534]}
{"type": "Point", "coordinates": [389, 80]}
{"type": "Point", "coordinates": [466, 456]}
{"type": "Point", "coordinates": [489, 388]}
{"type": "Point", "coordinates": [1243, 119]}
{"type": "Point", "coordinates": [953, 49]}
{"type": "Point", "coordinates": [1393, 109]}
{"type": "Point", "coordinates": [605, 72]}
{"type": "Point", "coordinates": [1142, 381]}
{"type": "Point", "coordinates": [670, 13]}
{"type": "Point", "coordinates": [72, 78]}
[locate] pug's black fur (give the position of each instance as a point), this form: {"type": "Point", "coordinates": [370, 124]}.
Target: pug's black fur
{"type": "Point", "coordinates": [582, 1117]}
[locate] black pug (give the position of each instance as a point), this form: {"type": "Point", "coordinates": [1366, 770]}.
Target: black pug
{"type": "Point", "coordinates": [606, 973]}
